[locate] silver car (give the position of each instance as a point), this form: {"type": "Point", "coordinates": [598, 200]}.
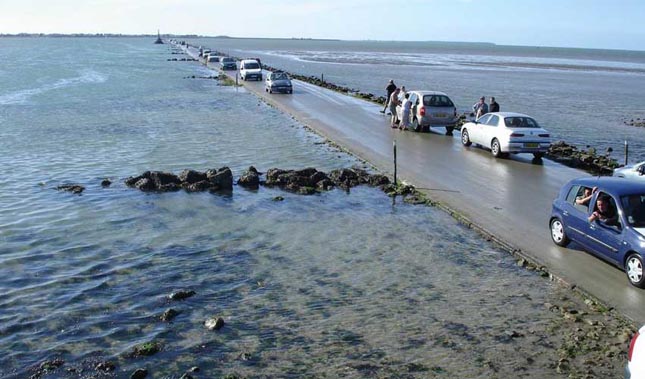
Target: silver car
{"type": "Point", "coordinates": [278, 81]}
{"type": "Point", "coordinates": [506, 132]}
{"type": "Point", "coordinates": [631, 171]}
{"type": "Point", "coordinates": [432, 108]}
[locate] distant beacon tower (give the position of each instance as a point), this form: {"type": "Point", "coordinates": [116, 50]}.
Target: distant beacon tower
{"type": "Point", "coordinates": [159, 41]}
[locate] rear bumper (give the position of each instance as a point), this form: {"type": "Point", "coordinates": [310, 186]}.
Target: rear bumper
{"type": "Point", "coordinates": [521, 147]}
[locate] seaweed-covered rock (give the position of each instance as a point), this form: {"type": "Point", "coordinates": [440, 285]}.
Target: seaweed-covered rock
{"type": "Point", "coordinates": [146, 349]}
{"type": "Point", "coordinates": [168, 315]}
{"type": "Point", "coordinates": [378, 180]}
{"type": "Point", "coordinates": [145, 184]}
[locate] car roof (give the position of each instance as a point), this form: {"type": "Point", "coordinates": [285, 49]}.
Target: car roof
{"type": "Point", "coordinates": [612, 184]}
{"type": "Point", "coordinates": [509, 114]}
{"type": "Point", "coordinates": [426, 92]}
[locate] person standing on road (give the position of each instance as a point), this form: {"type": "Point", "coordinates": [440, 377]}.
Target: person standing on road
{"type": "Point", "coordinates": [480, 108]}
{"type": "Point", "coordinates": [405, 113]}
{"type": "Point", "coordinates": [402, 93]}
{"type": "Point", "coordinates": [494, 105]}
{"type": "Point", "coordinates": [390, 88]}
{"type": "Point", "coordinates": [394, 102]}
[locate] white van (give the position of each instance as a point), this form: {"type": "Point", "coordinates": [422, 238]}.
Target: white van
{"type": "Point", "coordinates": [250, 69]}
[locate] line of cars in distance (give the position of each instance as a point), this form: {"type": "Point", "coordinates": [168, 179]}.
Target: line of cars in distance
{"type": "Point", "coordinates": [251, 69]}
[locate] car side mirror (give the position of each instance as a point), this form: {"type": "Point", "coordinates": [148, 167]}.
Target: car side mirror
{"type": "Point", "coordinates": [641, 170]}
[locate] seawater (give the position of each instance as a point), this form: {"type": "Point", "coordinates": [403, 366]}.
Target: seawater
{"type": "Point", "coordinates": [343, 284]}
{"type": "Point", "coordinates": [582, 96]}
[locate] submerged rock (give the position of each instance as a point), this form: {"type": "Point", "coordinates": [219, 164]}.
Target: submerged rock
{"type": "Point", "coordinates": [106, 182]}
{"type": "Point", "coordinates": [169, 314]}
{"type": "Point", "coordinates": [139, 373]}
{"type": "Point", "coordinates": [73, 188]}
{"type": "Point", "coordinates": [214, 323]}
{"type": "Point", "coordinates": [181, 295]}
{"type": "Point", "coordinates": [146, 349]}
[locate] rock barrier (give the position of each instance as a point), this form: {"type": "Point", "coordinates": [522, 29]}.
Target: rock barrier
{"type": "Point", "coordinates": [588, 160]}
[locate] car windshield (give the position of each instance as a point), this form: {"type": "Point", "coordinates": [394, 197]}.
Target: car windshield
{"type": "Point", "coordinates": [279, 76]}
{"type": "Point", "coordinates": [251, 65]}
{"type": "Point", "coordinates": [520, 122]}
{"type": "Point", "coordinates": [437, 101]}
{"type": "Point", "coordinates": [227, 60]}
{"type": "Point", "coordinates": [634, 207]}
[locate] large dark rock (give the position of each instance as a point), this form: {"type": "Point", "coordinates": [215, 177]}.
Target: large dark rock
{"type": "Point", "coordinates": [250, 179]}
{"type": "Point", "coordinates": [378, 180]}
{"type": "Point", "coordinates": [145, 184]}
{"type": "Point", "coordinates": [192, 176]}
{"type": "Point", "coordinates": [139, 373]}
{"type": "Point", "coordinates": [181, 295]}
{"type": "Point", "coordinates": [220, 179]}
{"type": "Point", "coordinates": [200, 186]}
{"type": "Point", "coordinates": [73, 188]}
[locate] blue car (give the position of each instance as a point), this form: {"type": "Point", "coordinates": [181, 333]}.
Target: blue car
{"type": "Point", "coordinates": [606, 216]}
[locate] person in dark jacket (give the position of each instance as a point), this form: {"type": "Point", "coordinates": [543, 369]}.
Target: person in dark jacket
{"type": "Point", "coordinates": [390, 88]}
{"type": "Point", "coordinates": [494, 105]}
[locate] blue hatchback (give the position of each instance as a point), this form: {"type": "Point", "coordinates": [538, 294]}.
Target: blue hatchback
{"type": "Point", "coordinates": [606, 216]}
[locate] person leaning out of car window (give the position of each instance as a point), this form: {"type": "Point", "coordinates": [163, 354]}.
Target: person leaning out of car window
{"type": "Point", "coordinates": [586, 196]}
{"type": "Point", "coordinates": [604, 212]}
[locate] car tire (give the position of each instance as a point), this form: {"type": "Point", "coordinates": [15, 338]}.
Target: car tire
{"type": "Point", "coordinates": [449, 130]}
{"type": "Point", "coordinates": [465, 138]}
{"type": "Point", "coordinates": [634, 270]}
{"type": "Point", "coordinates": [415, 125]}
{"type": "Point", "coordinates": [496, 149]}
{"type": "Point", "coordinates": [538, 155]}
{"type": "Point", "coordinates": [558, 235]}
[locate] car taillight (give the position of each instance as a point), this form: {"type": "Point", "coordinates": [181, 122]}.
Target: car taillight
{"type": "Point", "coordinates": [544, 135]}
{"type": "Point", "coordinates": [422, 111]}
{"type": "Point", "coordinates": [631, 346]}
{"type": "Point", "coordinates": [517, 135]}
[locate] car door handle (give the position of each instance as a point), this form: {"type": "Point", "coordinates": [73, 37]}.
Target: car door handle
{"type": "Point", "coordinates": [592, 226]}
{"type": "Point", "coordinates": [565, 213]}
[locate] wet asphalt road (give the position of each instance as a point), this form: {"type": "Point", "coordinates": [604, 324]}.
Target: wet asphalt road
{"type": "Point", "coordinates": [509, 198]}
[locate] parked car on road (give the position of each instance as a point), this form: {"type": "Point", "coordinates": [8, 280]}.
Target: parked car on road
{"type": "Point", "coordinates": [631, 171]}
{"type": "Point", "coordinates": [506, 132]}
{"type": "Point", "coordinates": [250, 69]}
{"type": "Point", "coordinates": [431, 109]}
{"type": "Point", "coordinates": [278, 81]}
{"type": "Point", "coordinates": [228, 63]}
{"type": "Point", "coordinates": [635, 368]}
{"type": "Point", "coordinates": [616, 233]}
{"type": "Point", "coordinates": [214, 59]}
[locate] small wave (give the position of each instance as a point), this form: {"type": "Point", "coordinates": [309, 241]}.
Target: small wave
{"type": "Point", "coordinates": [85, 77]}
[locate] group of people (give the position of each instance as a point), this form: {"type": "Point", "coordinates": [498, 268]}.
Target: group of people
{"type": "Point", "coordinates": [480, 108]}
{"type": "Point", "coordinates": [398, 97]}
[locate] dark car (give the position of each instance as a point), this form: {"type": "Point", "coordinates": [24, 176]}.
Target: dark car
{"type": "Point", "coordinates": [228, 63]}
{"type": "Point", "coordinates": [606, 216]}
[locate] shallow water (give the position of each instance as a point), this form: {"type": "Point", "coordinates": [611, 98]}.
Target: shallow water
{"type": "Point", "coordinates": [337, 284]}
{"type": "Point", "coordinates": [583, 96]}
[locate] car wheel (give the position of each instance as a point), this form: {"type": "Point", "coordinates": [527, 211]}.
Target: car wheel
{"type": "Point", "coordinates": [538, 155]}
{"type": "Point", "coordinates": [558, 235]}
{"type": "Point", "coordinates": [496, 149]}
{"type": "Point", "coordinates": [415, 125]}
{"type": "Point", "coordinates": [465, 138]}
{"type": "Point", "coordinates": [449, 130]}
{"type": "Point", "coordinates": [634, 270]}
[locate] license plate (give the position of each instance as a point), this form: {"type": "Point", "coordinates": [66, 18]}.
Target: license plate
{"type": "Point", "coordinates": [533, 144]}
{"type": "Point", "coordinates": [440, 115]}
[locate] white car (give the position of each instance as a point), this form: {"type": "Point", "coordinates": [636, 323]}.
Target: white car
{"type": "Point", "coordinates": [635, 368]}
{"type": "Point", "coordinates": [250, 69]}
{"type": "Point", "coordinates": [278, 81]}
{"type": "Point", "coordinates": [506, 132]}
{"type": "Point", "coordinates": [631, 171]}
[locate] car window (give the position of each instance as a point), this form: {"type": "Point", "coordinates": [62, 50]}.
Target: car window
{"type": "Point", "coordinates": [251, 66]}
{"type": "Point", "coordinates": [520, 122]}
{"type": "Point", "coordinates": [279, 76]}
{"type": "Point", "coordinates": [578, 198]}
{"type": "Point", "coordinates": [493, 120]}
{"type": "Point", "coordinates": [484, 119]}
{"type": "Point", "coordinates": [413, 98]}
{"type": "Point", "coordinates": [634, 209]}
{"type": "Point", "coordinates": [437, 101]}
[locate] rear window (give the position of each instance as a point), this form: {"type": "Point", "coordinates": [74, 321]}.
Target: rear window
{"type": "Point", "coordinates": [251, 65]}
{"type": "Point", "coordinates": [520, 122]}
{"type": "Point", "coordinates": [437, 101]}
{"type": "Point", "coordinates": [279, 76]}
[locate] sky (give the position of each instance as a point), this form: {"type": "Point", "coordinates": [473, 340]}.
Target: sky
{"type": "Point", "coordinates": [563, 23]}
